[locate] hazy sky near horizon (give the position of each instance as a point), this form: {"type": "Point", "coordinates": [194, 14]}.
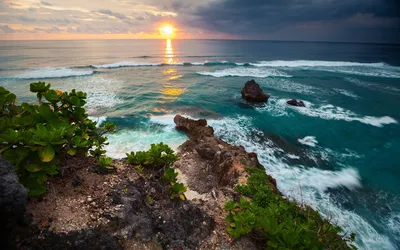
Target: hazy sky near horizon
{"type": "Point", "coordinates": [316, 20]}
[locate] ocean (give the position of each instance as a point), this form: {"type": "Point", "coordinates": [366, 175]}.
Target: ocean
{"type": "Point", "coordinates": [340, 154]}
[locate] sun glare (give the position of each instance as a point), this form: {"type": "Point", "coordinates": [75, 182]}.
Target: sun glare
{"type": "Point", "coordinates": [167, 31]}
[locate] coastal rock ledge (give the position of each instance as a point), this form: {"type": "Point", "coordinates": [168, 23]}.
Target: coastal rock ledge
{"type": "Point", "coordinates": [253, 93]}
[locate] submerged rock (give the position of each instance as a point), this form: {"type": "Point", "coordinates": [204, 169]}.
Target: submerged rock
{"type": "Point", "coordinates": [253, 93]}
{"type": "Point", "coordinates": [296, 103]}
{"type": "Point", "coordinates": [13, 202]}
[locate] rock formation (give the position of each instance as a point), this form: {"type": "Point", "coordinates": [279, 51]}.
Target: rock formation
{"type": "Point", "coordinates": [207, 157]}
{"type": "Point", "coordinates": [296, 103]}
{"type": "Point", "coordinates": [253, 93]}
{"type": "Point", "coordinates": [13, 201]}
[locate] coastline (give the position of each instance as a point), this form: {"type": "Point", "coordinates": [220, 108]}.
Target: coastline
{"type": "Point", "coordinates": [129, 210]}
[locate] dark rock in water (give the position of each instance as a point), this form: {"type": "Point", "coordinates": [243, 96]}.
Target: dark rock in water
{"type": "Point", "coordinates": [253, 93]}
{"type": "Point", "coordinates": [197, 128]}
{"type": "Point", "coordinates": [13, 202]}
{"type": "Point", "coordinates": [296, 103]}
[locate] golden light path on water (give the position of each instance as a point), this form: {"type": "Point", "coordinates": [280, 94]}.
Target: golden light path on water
{"type": "Point", "coordinates": [171, 89]}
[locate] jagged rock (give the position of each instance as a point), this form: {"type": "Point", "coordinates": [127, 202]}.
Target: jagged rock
{"type": "Point", "coordinates": [253, 93]}
{"type": "Point", "coordinates": [296, 103]}
{"type": "Point", "coordinates": [196, 128]}
{"type": "Point", "coordinates": [208, 158]}
{"type": "Point", "coordinates": [13, 202]}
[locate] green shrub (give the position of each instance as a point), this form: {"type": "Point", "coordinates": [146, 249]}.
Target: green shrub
{"type": "Point", "coordinates": [34, 137]}
{"type": "Point", "coordinates": [159, 157]}
{"type": "Point", "coordinates": [283, 224]}
{"type": "Point", "coordinates": [105, 163]}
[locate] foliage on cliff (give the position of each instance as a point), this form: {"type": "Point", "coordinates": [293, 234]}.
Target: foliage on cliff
{"type": "Point", "coordinates": [281, 223]}
{"type": "Point", "coordinates": [34, 137]}
{"type": "Point", "coordinates": [160, 157]}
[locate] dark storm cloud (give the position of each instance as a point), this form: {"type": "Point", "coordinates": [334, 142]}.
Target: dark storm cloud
{"type": "Point", "coordinates": [258, 17]}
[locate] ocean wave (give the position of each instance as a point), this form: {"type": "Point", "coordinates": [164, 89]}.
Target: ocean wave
{"type": "Point", "coordinates": [43, 73]}
{"type": "Point", "coordinates": [152, 64]}
{"type": "Point", "coordinates": [347, 93]}
{"type": "Point", "coordinates": [306, 185]}
{"type": "Point", "coordinates": [309, 63]}
{"type": "Point", "coordinates": [331, 112]}
{"type": "Point", "coordinates": [250, 72]}
{"type": "Point", "coordinates": [278, 107]}
{"type": "Point", "coordinates": [379, 69]}
{"type": "Point", "coordinates": [125, 141]}
{"type": "Point", "coordinates": [308, 141]}
{"type": "Point", "coordinates": [373, 86]}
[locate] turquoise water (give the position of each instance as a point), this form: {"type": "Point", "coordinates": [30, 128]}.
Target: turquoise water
{"type": "Point", "coordinates": [340, 154]}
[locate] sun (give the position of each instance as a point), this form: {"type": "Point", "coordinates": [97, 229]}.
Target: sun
{"type": "Point", "coordinates": [167, 30]}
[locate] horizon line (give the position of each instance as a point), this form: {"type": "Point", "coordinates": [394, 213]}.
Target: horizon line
{"type": "Point", "coordinates": [214, 39]}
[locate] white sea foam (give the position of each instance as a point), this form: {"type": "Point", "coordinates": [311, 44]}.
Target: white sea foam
{"type": "Point", "coordinates": [43, 73]}
{"type": "Point", "coordinates": [347, 93]}
{"type": "Point", "coordinates": [373, 86]}
{"type": "Point", "coordinates": [287, 85]}
{"type": "Point", "coordinates": [331, 112]}
{"type": "Point", "coordinates": [309, 141]}
{"type": "Point", "coordinates": [125, 141]}
{"type": "Point", "coordinates": [353, 68]}
{"type": "Point", "coordinates": [251, 72]}
{"type": "Point", "coordinates": [308, 63]}
{"type": "Point", "coordinates": [99, 120]}
{"type": "Point", "coordinates": [126, 64]}
{"type": "Point", "coordinates": [306, 185]}
{"type": "Point", "coordinates": [292, 156]}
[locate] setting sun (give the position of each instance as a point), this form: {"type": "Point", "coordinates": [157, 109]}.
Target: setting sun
{"type": "Point", "coordinates": [167, 31]}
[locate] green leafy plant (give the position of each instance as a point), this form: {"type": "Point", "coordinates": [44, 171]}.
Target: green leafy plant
{"type": "Point", "coordinates": [105, 162]}
{"type": "Point", "coordinates": [34, 137]}
{"type": "Point", "coordinates": [283, 224]}
{"type": "Point", "coordinates": [159, 157]}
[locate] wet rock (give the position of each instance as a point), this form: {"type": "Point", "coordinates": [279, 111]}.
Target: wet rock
{"type": "Point", "coordinates": [253, 93]}
{"type": "Point", "coordinates": [13, 201]}
{"type": "Point", "coordinates": [208, 158]}
{"type": "Point", "coordinates": [196, 128]}
{"type": "Point", "coordinates": [296, 103]}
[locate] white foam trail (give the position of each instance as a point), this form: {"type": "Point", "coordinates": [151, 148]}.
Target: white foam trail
{"type": "Point", "coordinates": [373, 86]}
{"type": "Point", "coordinates": [354, 68]}
{"type": "Point", "coordinates": [126, 64]}
{"type": "Point", "coordinates": [327, 112]}
{"type": "Point", "coordinates": [309, 141]}
{"type": "Point", "coordinates": [251, 72]}
{"type": "Point", "coordinates": [347, 93]}
{"type": "Point", "coordinates": [126, 141]}
{"type": "Point", "coordinates": [292, 156]}
{"type": "Point", "coordinates": [52, 73]}
{"type": "Point", "coordinates": [309, 63]}
{"type": "Point", "coordinates": [287, 85]}
{"type": "Point", "coordinates": [306, 185]}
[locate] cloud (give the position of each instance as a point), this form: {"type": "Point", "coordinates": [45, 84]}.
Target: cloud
{"type": "Point", "coordinates": [46, 3]}
{"type": "Point", "coordinates": [6, 29]}
{"type": "Point", "coordinates": [114, 14]}
{"type": "Point", "coordinates": [260, 18]}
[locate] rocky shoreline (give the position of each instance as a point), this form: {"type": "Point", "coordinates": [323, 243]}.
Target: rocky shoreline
{"type": "Point", "coordinates": [124, 209]}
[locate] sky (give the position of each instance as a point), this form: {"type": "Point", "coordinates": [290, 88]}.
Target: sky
{"type": "Point", "coordinates": [300, 20]}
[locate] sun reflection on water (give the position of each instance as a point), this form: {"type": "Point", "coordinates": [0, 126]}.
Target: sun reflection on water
{"type": "Point", "coordinates": [171, 90]}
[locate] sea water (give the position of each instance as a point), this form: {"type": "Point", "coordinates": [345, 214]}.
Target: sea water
{"type": "Point", "coordinates": [340, 154]}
